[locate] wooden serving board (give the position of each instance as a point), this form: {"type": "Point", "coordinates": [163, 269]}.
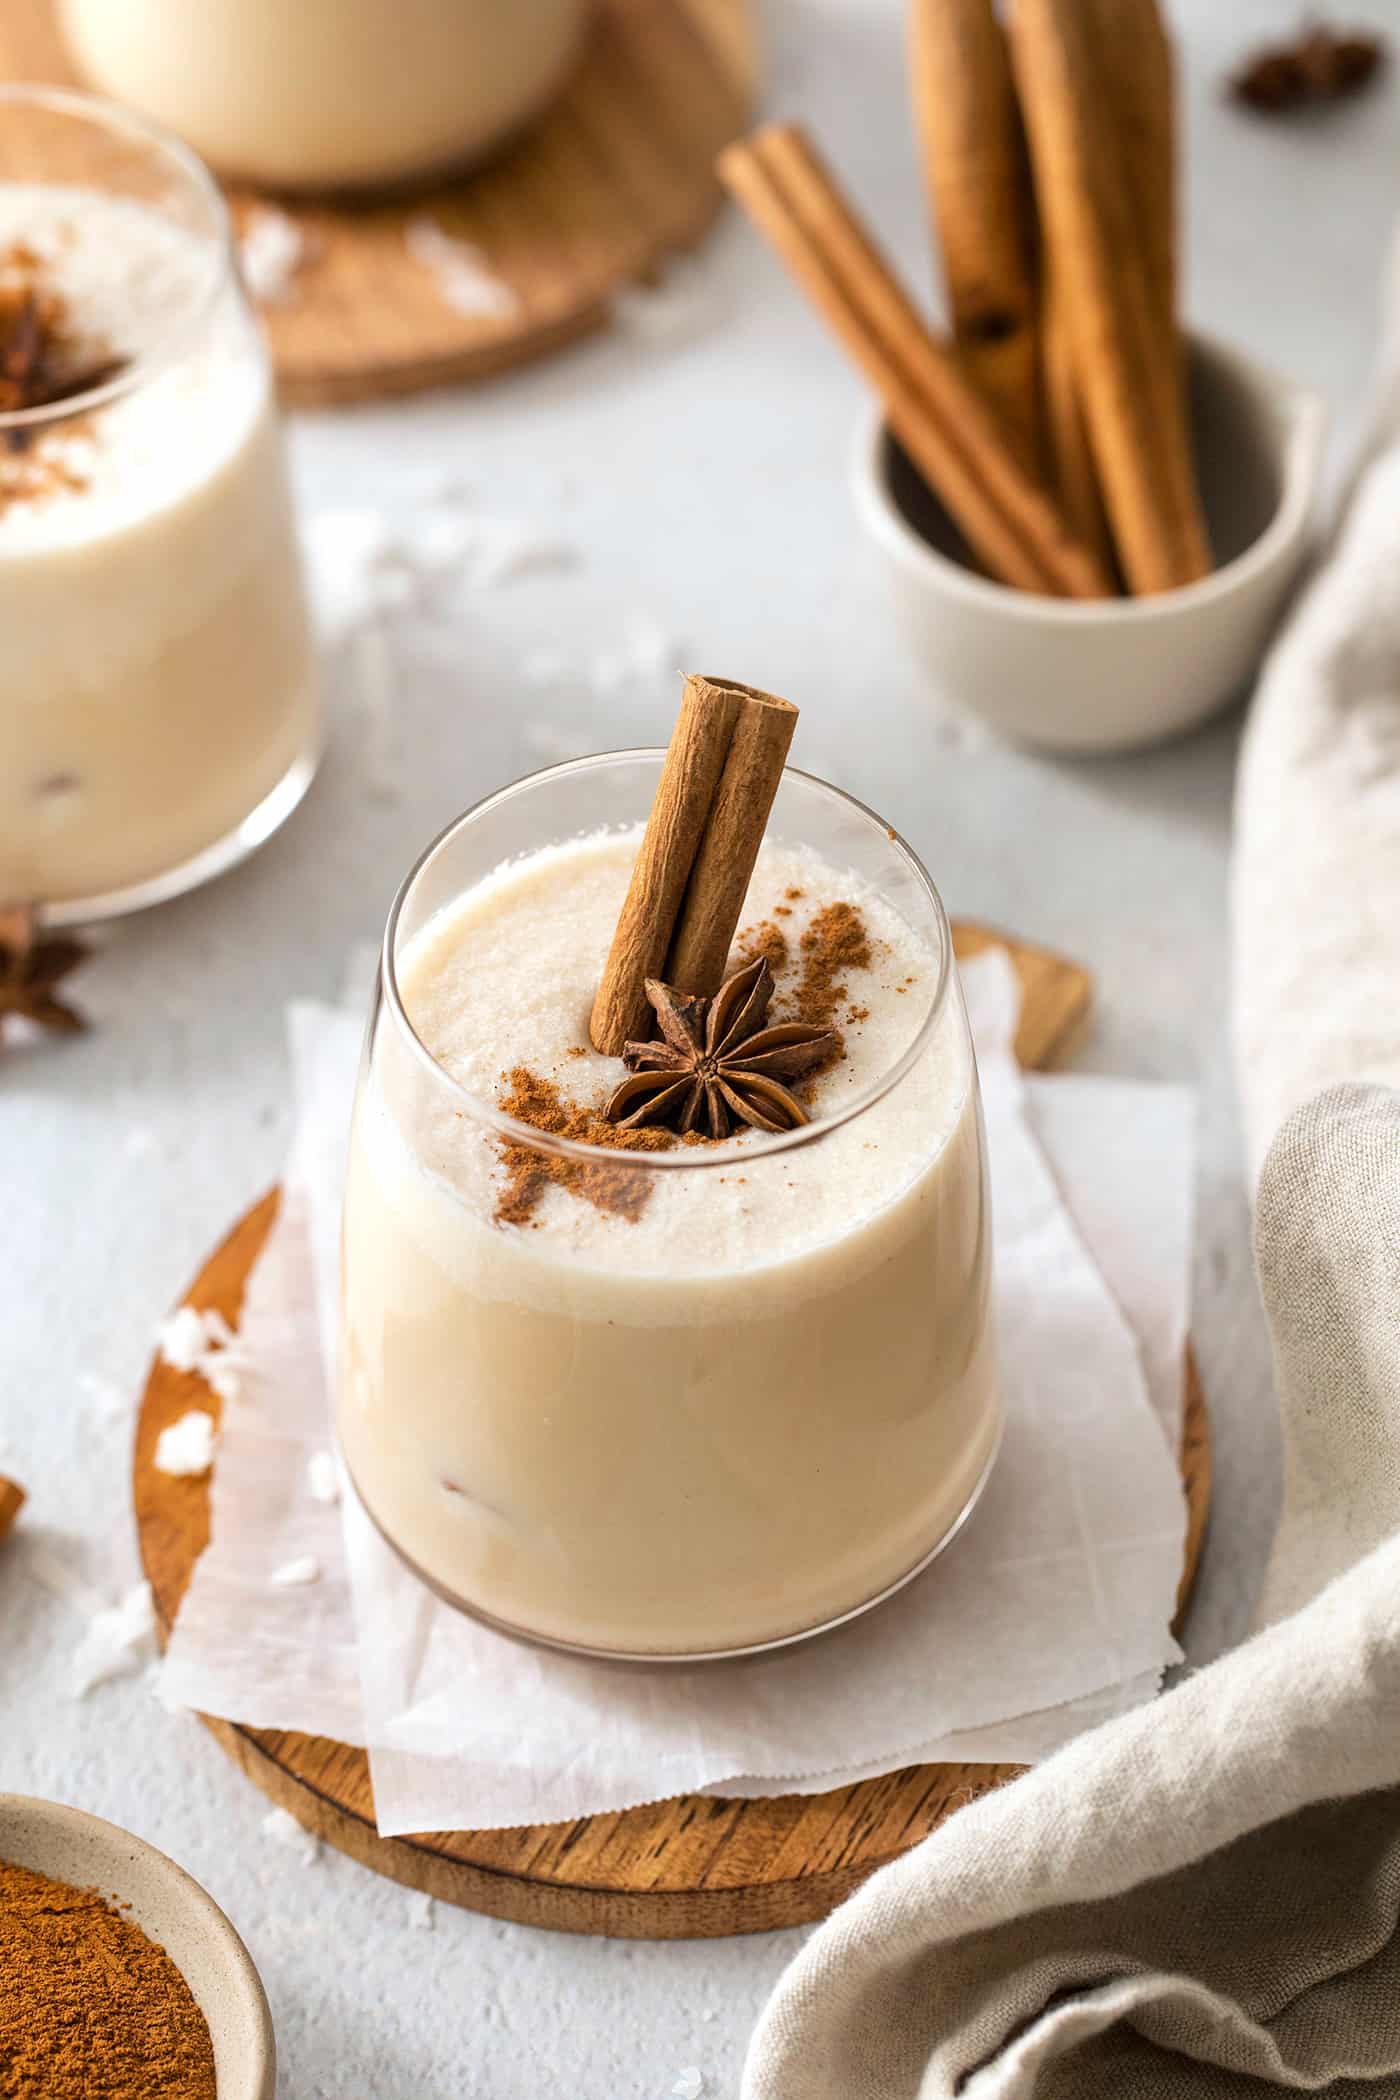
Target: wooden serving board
{"type": "Point", "coordinates": [617, 175]}
{"type": "Point", "coordinates": [691, 1867]}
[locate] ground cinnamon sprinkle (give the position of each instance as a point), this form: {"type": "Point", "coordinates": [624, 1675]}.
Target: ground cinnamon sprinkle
{"type": "Point", "coordinates": [835, 943]}
{"type": "Point", "coordinates": [765, 940]}
{"type": "Point", "coordinates": [90, 2009]}
{"type": "Point", "coordinates": [529, 1173]}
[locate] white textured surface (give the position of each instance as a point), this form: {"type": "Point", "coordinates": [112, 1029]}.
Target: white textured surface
{"type": "Point", "coordinates": [704, 477]}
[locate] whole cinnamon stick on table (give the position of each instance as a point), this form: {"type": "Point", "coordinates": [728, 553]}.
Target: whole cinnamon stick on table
{"type": "Point", "coordinates": [1126, 350]}
{"type": "Point", "coordinates": [978, 182]}
{"type": "Point", "coordinates": [692, 871]}
{"type": "Point", "coordinates": [1009, 520]}
{"type": "Point", "coordinates": [11, 1503]}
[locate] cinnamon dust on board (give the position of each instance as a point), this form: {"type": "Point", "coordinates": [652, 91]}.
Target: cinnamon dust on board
{"type": "Point", "coordinates": [835, 943]}
{"type": "Point", "coordinates": [90, 2009]}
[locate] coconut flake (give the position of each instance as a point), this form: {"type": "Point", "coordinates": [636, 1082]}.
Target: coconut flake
{"type": "Point", "coordinates": [497, 550]}
{"type": "Point", "coordinates": [323, 1477]}
{"type": "Point", "coordinates": [120, 1638]}
{"type": "Point", "coordinates": [186, 1449]}
{"type": "Point", "coordinates": [690, 2083]}
{"type": "Point", "coordinates": [284, 1829]}
{"type": "Point", "coordinates": [294, 1573]}
{"type": "Point", "coordinates": [465, 279]}
{"type": "Point", "coordinates": [183, 1339]}
{"type": "Point", "coordinates": [202, 1341]}
{"type": "Point", "coordinates": [661, 313]}
{"type": "Point", "coordinates": [422, 1914]}
{"type": "Point", "coordinates": [272, 248]}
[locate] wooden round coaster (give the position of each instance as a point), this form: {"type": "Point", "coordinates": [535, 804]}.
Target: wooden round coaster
{"type": "Point", "coordinates": [618, 174]}
{"type": "Point", "coordinates": [686, 1868]}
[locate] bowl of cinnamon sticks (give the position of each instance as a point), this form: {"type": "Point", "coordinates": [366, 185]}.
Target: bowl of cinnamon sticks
{"type": "Point", "coordinates": [1111, 674]}
{"type": "Point", "coordinates": [1090, 517]}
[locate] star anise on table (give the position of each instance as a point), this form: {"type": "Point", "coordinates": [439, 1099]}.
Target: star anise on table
{"type": "Point", "coordinates": [1323, 65]}
{"type": "Point", "coordinates": [717, 1063]}
{"type": "Point", "coordinates": [30, 971]}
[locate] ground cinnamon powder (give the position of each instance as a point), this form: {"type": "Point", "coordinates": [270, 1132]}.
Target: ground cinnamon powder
{"type": "Point", "coordinates": [90, 2009]}
{"type": "Point", "coordinates": [834, 944]}
{"type": "Point", "coordinates": [529, 1173]}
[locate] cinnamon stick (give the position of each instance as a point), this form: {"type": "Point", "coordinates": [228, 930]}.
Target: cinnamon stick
{"type": "Point", "coordinates": [1073, 474]}
{"type": "Point", "coordinates": [1126, 353]}
{"type": "Point", "coordinates": [978, 183]}
{"type": "Point", "coordinates": [1010, 522]}
{"type": "Point", "coordinates": [702, 837]}
{"type": "Point", "coordinates": [11, 1502]}
{"type": "Point", "coordinates": [719, 880]}
{"type": "Point", "coordinates": [1135, 53]}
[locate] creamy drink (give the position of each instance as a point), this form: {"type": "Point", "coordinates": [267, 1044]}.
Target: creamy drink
{"type": "Point", "coordinates": [674, 1401]}
{"type": "Point", "coordinates": [157, 682]}
{"type": "Point", "coordinates": [329, 93]}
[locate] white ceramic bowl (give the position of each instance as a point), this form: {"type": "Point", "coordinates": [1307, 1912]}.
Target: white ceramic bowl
{"type": "Point", "coordinates": [1117, 672]}
{"type": "Point", "coordinates": [171, 1909]}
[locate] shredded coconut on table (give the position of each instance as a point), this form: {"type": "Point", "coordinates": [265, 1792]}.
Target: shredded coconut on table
{"type": "Point", "coordinates": [120, 1639]}
{"type": "Point", "coordinates": [660, 313]}
{"type": "Point", "coordinates": [186, 1336]}
{"type": "Point", "coordinates": [202, 1341]}
{"type": "Point", "coordinates": [185, 1450]}
{"type": "Point", "coordinates": [421, 1911]}
{"type": "Point", "coordinates": [465, 280]}
{"type": "Point", "coordinates": [294, 1573]}
{"type": "Point", "coordinates": [284, 1829]}
{"type": "Point", "coordinates": [366, 568]}
{"type": "Point", "coordinates": [272, 248]}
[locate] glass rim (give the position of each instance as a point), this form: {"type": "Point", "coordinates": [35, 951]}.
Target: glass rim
{"type": "Point", "coordinates": [683, 1158]}
{"type": "Point", "coordinates": [109, 116]}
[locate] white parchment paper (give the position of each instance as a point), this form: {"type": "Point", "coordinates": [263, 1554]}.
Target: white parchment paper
{"type": "Point", "coordinates": [1049, 1612]}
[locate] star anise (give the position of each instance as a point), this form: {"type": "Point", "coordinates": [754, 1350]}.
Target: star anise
{"type": "Point", "coordinates": [717, 1063]}
{"type": "Point", "coordinates": [1323, 65]}
{"type": "Point", "coordinates": [30, 970]}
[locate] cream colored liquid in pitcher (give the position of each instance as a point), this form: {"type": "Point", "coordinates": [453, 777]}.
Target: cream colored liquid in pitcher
{"type": "Point", "coordinates": [731, 1410]}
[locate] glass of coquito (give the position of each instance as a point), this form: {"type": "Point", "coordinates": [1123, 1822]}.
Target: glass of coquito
{"type": "Point", "coordinates": [331, 94]}
{"type": "Point", "coordinates": [159, 714]}
{"type": "Point", "coordinates": [684, 1352]}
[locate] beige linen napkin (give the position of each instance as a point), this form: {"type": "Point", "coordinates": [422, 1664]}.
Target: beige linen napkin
{"type": "Point", "coordinates": [1203, 1898]}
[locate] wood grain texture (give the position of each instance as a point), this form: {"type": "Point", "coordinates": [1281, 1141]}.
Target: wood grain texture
{"type": "Point", "coordinates": [687, 1868]}
{"type": "Point", "coordinates": [617, 175]}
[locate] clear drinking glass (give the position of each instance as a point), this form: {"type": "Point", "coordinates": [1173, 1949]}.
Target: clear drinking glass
{"type": "Point", "coordinates": [330, 94]}
{"type": "Point", "coordinates": [624, 1442]}
{"type": "Point", "coordinates": [159, 713]}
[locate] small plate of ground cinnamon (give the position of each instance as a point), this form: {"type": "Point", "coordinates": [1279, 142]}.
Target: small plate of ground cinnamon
{"type": "Point", "coordinates": [120, 1978]}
